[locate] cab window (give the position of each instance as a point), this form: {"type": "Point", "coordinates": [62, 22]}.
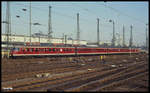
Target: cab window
{"type": "Point", "coordinates": [16, 49]}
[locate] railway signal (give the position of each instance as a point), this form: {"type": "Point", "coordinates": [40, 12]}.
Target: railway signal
{"type": "Point", "coordinates": [24, 9]}
{"type": "Point", "coordinates": [36, 24]}
{"type": "Point", "coordinates": [17, 16]}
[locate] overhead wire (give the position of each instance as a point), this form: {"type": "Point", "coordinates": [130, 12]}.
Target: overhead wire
{"type": "Point", "coordinates": [61, 14]}
{"type": "Point", "coordinates": [122, 13]}
{"type": "Point", "coordinates": [93, 13]}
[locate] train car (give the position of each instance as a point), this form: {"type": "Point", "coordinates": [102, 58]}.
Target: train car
{"type": "Point", "coordinates": [41, 51]}
{"type": "Point", "coordinates": [58, 51]}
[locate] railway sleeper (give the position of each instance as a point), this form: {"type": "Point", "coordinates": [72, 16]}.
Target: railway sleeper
{"type": "Point", "coordinates": [110, 82]}
{"type": "Point", "coordinates": [64, 86]}
{"type": "Point", "coordinates": [23, 86]}
{"type": "Point", "coordinates": [100, 80]}
{"type": "Point", "coordinates": [121, 82]}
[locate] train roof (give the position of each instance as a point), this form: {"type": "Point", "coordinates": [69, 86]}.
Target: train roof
{"type": "Point", "coordinates": [67, 47]}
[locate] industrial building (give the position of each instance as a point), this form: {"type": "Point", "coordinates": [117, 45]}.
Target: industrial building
{"type": "Point", "coordinates": [41, 40]}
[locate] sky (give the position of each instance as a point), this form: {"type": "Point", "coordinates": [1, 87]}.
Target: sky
{"type": "Point", "coordinates": [64, 19]}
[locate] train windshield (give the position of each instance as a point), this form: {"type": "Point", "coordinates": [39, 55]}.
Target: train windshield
{"type": "Point", "coordinates": [15, 49]}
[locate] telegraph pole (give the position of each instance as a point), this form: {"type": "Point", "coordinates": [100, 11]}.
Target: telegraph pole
{"type": "Point", "coordinates": [8, 26]}
{"type": "Point", "coordinates": [78, 30]}
{"type": "Point", "coordinates": [123, 37]}
{"type": "Point", "coordinates": [113, 40]}
{"type": "Point", "coordinates": [146, 38]}
{"type": "Point", "coordinates": [49, 27]}
{"type": "Point", "coordinates": [98, 41]}
{"type": "Point", "coordinates": [30, 22]}
{"type": "Point", "coordinates": [131, 38]}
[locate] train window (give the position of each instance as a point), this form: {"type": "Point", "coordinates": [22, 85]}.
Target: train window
{"type": "Point", "coordinates": [23, 49]}
{"type": "Point", "coordinates": [41, 49]}
{"type": "Point", "coordinates": [53, 49]}
{"type": "Point", "coordinates": [36, 49]}
{"type": "Point", "coordinates": [16, 49]}
{"type": "Point", "coordinates": [28, 49]}
{"type": "Point", "coordinates": [57, 49]}
{"type": "Point", "coordinates": [101, 50]}
{"type": "Point", "coordinates": [49, 49]}
{"type": "Point", "coordinates": [66, 49]}
{"type": "Point", "coordinates": [31, 50]}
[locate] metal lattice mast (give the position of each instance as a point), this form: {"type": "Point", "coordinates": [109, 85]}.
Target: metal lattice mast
{"type": "Point", "coordinates": [113, 39]}
{"type": "Point", "coordinates": [78, 29]}
{"type": "Point", "coordinates": [49, 26]}
{"type": "Point", "coordinates": [30, 23]}
{"type": "Point", "coordinates": [98, 41]}
{"type": "Point", "coordinates": [131, 38]}
{"type": "Point", "coordinates": [146, 39]}
{"type": "Point", "coordinates": [63, 38]}
{"type": "Point", "coordinates": [123, 43]}
{"type": "Point", "coordinates": [7, 24]}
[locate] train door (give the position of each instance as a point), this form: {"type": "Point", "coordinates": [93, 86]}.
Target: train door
{"type": "Point", "coordinates": [61, 50]}
{"type": "Point", "coordinates": [76, 51]}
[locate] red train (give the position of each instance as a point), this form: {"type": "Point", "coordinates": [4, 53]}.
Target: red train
{"type": "Point", "coordinates": [49, 51]}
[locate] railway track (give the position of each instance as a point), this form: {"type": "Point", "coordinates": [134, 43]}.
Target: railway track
{"type": "Point", "coordinates": [72, 79]}
{"type": "Point", "coordinates": [82, 85]}
{"type": "Point", "coordinates": [73, 76]}
{"type": "Point", "coordinates": [62, 69]}
{"type": "Point", "coordinates": [132, 84]}
{"type": "Point", "coordinates": [50, 68]}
